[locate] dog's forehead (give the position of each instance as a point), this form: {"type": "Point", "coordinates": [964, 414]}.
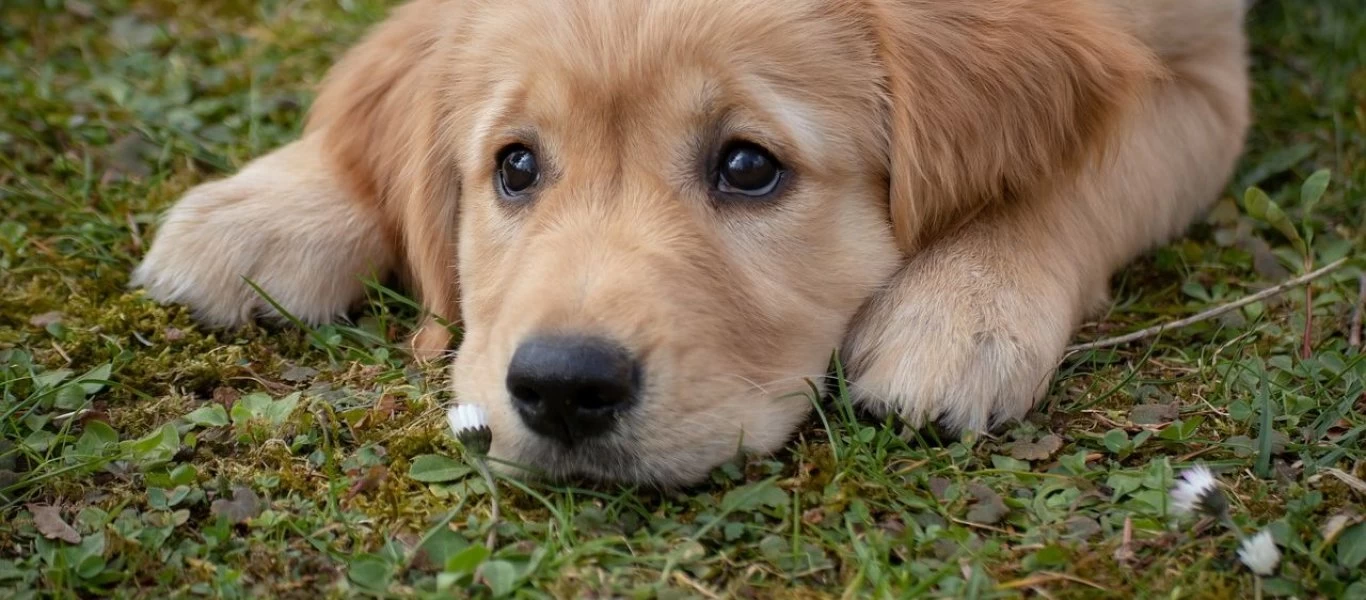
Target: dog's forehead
{"type": "Point", "coordinates": [613, 62]}
{"type": "Point", "coordinates": [615, 42]}
{"type": "Point", "coordinates": [617, 30]}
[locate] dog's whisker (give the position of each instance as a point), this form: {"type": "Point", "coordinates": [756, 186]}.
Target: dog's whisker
{"type": "Point", "coordinates": [818, 379]}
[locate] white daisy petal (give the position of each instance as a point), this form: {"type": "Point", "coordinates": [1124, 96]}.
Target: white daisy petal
{"type": "Point", "coordinates": [1193, 490]}
{"type": "Point", "coordinates": [1260, 553]}
{"type": "Point", "coordinates": [470, 424]}
{"type": "Point", "coordinates": [455, 419]}
{"type": "Point", "coordinates": [464, 417]}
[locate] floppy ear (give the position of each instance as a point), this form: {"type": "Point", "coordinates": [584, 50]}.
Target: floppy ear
{"type": "Point", "coordinates": [381, 121]}
{"type": "Point", "coordinates": [992, 99]}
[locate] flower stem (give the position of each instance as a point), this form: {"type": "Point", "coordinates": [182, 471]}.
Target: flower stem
{"type": "Point", "coordinates": [1227, 521]}
{"type": "Point", "coordinates": [495, 515]}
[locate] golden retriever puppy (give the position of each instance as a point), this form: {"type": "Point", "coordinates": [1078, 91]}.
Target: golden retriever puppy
{"type": "Point", "coordinates": [657, 219]}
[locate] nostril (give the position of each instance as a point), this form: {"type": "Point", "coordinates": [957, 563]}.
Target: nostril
{"type": "Point", "coordinates": [599, 398]}
{"type": "Point", "coordinates": [525, 394]}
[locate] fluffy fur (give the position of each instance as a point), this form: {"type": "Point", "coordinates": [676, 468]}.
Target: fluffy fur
{"type": "Point", "coordinates": [965, 177]}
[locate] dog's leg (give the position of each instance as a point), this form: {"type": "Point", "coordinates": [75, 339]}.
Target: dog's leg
{"type": "Point", "coordinates": [287, 223]}
{"type": "Point", "coordinates": [970, 331]}
{"type": "Point", "coordinates": [359, 195]}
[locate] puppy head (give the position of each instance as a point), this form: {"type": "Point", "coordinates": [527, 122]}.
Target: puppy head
{"type": "Point", "coordinates": [668, 212]}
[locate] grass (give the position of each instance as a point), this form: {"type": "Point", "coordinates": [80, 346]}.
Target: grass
{"type": "Point", "coordinates": [142, 456]}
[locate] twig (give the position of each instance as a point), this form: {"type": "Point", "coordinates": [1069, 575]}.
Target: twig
{"type": "Point", "coordinates": [65, 356]}
{"type": "Point", "coordinates": [1048, 577]}
{"type": "Point", "coordinates": [1186, 457]}
{"type": "Point", "coordinates": [1352, 481]}
{"type": "Point", "coordinates": [1354, 337]}
{"type": "Point", "coordinates": [701, 589]}
{"type": "Point", "coordinates": [1213, 312]}
{"type": "Point", "coordinates": [133, 231]}
{"type": "Point", "coordinates": [980, 526]}
{"type": "Point", "coordinates": [1125, 552]}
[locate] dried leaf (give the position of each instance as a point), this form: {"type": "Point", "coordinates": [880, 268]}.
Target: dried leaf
{"type": "Point", "coordinates": [49, 522]}
{"type": "Point", "coordinates": [1264, 260]}
{"type": "Point", "coordinates": [1335, 525]}
{"type": "Point", "coordinates": [83, 10]}
{"type": "Point", "coordinates": [298, 374]}
{"type": "Point", "coordinates": [245, 504]}
{"type": "Point", "coordinates": [1080, 527]}
{"type": "Point", "coordinates": [45, 319]}
{"type": "Point", "coordinates": [1351, 480]}
{"type": "Point", "coordinates": [226, 396]}
{"type": "Point", "coordinates": [128, 157]}
{"type": "Point", "coordinates": [939, 487]}
{"type": "Point", "coordinates": [1040, 450]}
{"type": "Point", "coordinates": [385, 408]}
{"type": "Point", "coordinates": [893, 526]}
{"type": "Point", "coordinates": [1154, 414]}
{"type": "Point", "coordinates": [371, 479]}
{"type": "Point", "coordinates": [989, 508]}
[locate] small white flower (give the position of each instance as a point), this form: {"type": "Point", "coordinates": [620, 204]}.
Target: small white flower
{"type": "Point", "coordinates": [1260, 553]}
{"type": "Point", "coordinates": [466, 416]}
{"type": "Point", "coordinates": [1197, 490]}
{"type": "Point", "coordinates": [470, 424]}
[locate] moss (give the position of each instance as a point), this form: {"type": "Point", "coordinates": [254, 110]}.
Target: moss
{"type": "Point", "coordinates": [109, 111]}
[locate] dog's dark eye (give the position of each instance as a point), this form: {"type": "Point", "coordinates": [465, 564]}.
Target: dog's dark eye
{"type": "Point", "coordinates": [518, 170]}
{"type": "Point", "coordinates": [748, 170]}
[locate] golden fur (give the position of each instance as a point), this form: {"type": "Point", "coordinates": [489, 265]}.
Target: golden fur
{"type": "Point", "coordinates": [965, 178]}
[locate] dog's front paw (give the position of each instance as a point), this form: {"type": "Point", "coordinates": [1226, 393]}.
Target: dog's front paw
{"type": "Point", "coordinates": [960, 340]}
{"type": "Point", "coordinates": [283, 223]}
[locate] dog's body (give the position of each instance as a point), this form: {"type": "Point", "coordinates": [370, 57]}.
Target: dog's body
{"type": "Point", "coordinates": [949, 187]}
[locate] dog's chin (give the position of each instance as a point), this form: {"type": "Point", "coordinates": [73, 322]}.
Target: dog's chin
{"type": "Point", "coordinates": [607, 460]}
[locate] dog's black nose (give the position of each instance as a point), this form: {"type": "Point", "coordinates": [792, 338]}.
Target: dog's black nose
{"type": "Point", "coordinates": [571, 388]}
